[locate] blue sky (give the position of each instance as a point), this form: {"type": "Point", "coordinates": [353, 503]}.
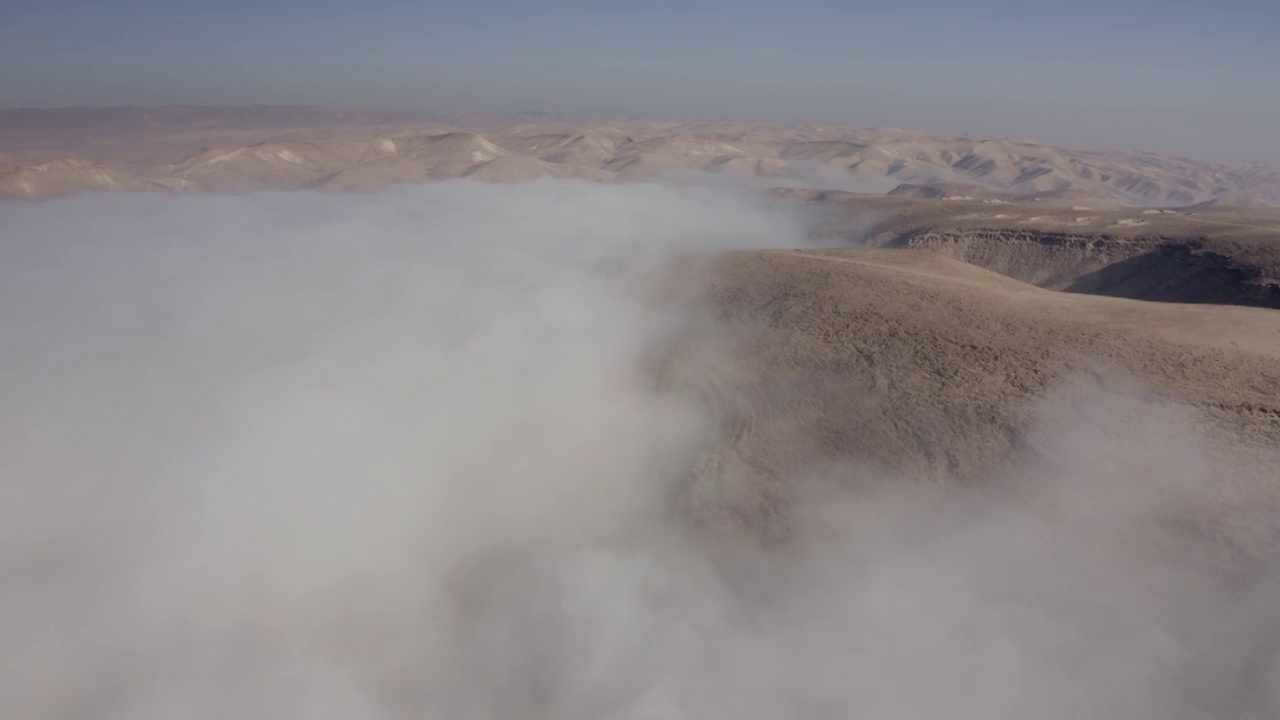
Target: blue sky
{"type": "Point", "coordinates": [1197, 78]}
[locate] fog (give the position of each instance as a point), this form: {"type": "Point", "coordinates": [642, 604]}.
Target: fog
{"type": "Point", "coordinates": [404, 456]}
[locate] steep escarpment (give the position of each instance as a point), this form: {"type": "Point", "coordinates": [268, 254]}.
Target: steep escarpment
{"type": "Point", "coordinates": [1180, 271]}
{"type": "Point", "coordinates": [1163, 268]}
{"type": "Point", "coordinates": [1213, 255]}
{"type": "Point", "coordinates": [1047, 259]}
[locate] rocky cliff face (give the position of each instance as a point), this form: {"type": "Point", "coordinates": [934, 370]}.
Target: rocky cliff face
{"type": "Point", "coordinates": [1162, 268]}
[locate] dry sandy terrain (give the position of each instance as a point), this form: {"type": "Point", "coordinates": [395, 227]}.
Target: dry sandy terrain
{"type": "Point", "coordinates": [50, 153]}
{"type": "Point", "coordinates": [922, 367]}
{"type": "Point", "coordinates": [953, 331]}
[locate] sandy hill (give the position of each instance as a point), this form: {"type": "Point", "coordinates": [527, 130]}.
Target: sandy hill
{"type": "Point", "coordinates": [257, 167]}
{"type": "Point", "coordinates": [69, 176]}
{"type": "Point", "coordinates": [909, 364]}
{"type": "Point", "coordinates": [193, 149]}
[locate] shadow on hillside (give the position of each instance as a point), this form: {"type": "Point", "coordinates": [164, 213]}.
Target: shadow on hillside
{"type": "Point", "coordinates": [1180, 273]}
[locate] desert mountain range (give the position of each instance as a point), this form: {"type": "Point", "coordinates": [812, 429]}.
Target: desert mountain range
{"type": "Point", "coordinates": [57, 152]}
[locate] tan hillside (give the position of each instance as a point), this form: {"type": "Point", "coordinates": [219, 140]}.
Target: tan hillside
{"type": "Point", "coordinates": [69, 176]}
{"type": "Point", "coordinates": [916, 366]}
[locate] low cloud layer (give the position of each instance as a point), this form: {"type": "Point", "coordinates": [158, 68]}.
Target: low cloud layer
{"type": "Point", "coordinates": [394, 456]}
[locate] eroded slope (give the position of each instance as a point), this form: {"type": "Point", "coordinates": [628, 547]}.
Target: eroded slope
{"type": "Point", "coordinates": [1212, 255]}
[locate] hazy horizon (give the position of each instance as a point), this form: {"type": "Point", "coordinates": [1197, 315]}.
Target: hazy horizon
{"type": "Point", "coordinates": [1170, 78]}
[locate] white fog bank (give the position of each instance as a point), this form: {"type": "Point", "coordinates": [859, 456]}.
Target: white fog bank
{"type": "Point", "coordinates": [398, 456]}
